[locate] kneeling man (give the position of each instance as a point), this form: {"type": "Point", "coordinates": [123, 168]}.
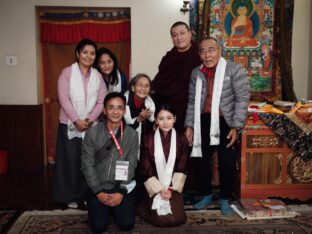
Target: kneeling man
{"type": "Point", "coordinates": [109, 159]}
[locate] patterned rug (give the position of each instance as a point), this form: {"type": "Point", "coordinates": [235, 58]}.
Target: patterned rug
{"type": "Point", "coordinates": [75, 221]}
{"type": "Point", "coordinates": [7, 217]}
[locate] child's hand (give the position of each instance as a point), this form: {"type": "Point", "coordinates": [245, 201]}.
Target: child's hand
{"type": "Point", "coordinates": [166, 194]}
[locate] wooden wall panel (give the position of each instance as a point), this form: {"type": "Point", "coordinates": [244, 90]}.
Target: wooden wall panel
{"type": "Point", "coordinates": [21, 134]}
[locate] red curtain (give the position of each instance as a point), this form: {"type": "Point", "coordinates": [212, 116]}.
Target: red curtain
{"type": "Point", "coordinates": [118, 31]}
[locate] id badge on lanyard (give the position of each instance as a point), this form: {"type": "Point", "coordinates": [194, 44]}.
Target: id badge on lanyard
{"type": "Point", "coordinates": [122, 168]}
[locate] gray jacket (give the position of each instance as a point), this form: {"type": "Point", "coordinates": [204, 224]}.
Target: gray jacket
{"type": "Point", "coordinates": [99, 164]}
{"type": "Point", "coordinates": [234, 97]}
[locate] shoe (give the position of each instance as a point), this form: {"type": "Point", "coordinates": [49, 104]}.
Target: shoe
{"type": "Point", "coordinates": [206, 200]}
{"type": "Point", "coordinates": [225, 207]}
{"type": "Point", "coordinates": [73, 205]}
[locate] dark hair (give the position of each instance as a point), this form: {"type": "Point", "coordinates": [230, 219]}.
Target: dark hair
{"type": "Point", "coordinates": [114, 74]}
{"type": "Point", "coordinates": [136, 78]}
{"type": "Point", "coordinates": [114, 95]}
{"type": "Point", "coordinates": [84, 42]}
{"type": "Point", "coordinates": [178, 23]}
{"type": "Point", "coordinates": [166, 107]}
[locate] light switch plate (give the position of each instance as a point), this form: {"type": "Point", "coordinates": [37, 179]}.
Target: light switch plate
{"type": "Point", "coordinates": [10, 60]}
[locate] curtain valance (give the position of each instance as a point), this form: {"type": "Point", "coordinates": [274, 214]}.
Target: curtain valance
{"type": "Point", "coordinates": [70, 27]}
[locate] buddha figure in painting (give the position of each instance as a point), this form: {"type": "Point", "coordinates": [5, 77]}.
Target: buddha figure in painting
{"type": "Point", "coordinates": [241, 29]}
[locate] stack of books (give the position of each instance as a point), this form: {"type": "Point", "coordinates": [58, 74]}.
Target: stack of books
{"type": "Point", "coordinates": [252, 209]}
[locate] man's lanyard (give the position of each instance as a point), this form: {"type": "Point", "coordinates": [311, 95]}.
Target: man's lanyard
{"type": "Point", "coordinates": [114, 137]}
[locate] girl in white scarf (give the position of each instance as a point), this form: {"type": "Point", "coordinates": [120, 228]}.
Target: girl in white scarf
{"type": "Point", "coordinates": [164, 163]}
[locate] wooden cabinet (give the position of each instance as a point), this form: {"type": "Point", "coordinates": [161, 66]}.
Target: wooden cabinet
{"type": "Point", "coordinates": [270, 169]}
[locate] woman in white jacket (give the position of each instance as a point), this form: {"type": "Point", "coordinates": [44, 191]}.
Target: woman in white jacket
{"type": "Point", "coordinates": [140, 109]}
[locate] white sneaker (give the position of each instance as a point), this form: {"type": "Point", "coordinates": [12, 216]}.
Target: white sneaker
{"type": "Point", "coordinates": [73, 205]}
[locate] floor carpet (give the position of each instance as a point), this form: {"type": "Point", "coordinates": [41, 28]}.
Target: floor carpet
{"type": "Point", "coordinates": [75, 221]}
{"type": "Point", "coordinates": [7, 218]}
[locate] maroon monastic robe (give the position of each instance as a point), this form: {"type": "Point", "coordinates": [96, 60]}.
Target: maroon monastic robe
{"type": "Point", "coordinates": [172, 81]}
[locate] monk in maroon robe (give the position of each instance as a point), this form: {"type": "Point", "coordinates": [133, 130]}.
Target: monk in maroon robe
{"type": "Point", "coordinates": [170, 85]}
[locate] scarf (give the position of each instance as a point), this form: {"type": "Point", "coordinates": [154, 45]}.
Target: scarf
{"type": "Point", "coordinates": [83, 105]}
{"type": "Point", "coordinates": [129, 120]}
{"type": "Point", "coordinates": [117, 87]}
{"type": "Point", "coordinates": [137, 103]}
{"type": "Point", "coordinates": [164, 170]}
{"type": "Point", "coordinates": [209, 72]}
{"type": "Point", "coordinates": [214, 124]}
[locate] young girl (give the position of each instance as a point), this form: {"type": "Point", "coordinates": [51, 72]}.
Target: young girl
{"type": "Point", "coordinates": [140, 106]}
{"type": "Point", "coordinates": [107, 65]}
{"type": "Point", "coordinates": [164, 170]}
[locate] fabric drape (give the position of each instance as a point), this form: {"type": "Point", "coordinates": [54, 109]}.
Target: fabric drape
{"type": "Point", "coordinates": [73, 32]}
{"type": "Point", "coordinates": [285, 14]}
{"type": "Point", "coordinates": [70, 26]}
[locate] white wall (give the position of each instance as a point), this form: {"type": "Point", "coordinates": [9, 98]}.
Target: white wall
{"type": "Point", "coordinates": [18, 84]}
{"type": "Point", "coordinates": [151, 20]}
{"type": "Point", "coordinates": [150, 24]}
{"type": "Point", "coordinates": [301, 48]}
{"type": "Point", "coordinates": [310, 58]}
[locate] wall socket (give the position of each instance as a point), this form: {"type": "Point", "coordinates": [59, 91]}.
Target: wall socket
{"type": "Point", "coordinates": [10, 60]}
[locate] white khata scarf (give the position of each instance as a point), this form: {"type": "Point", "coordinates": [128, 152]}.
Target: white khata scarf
{"type": "Point", "coordinates": [117, 87]}
{"type": "Point", "coordinates": [149, 103]}
{"type": "Point", "coordinates": [164, 170]}
{"type": "Point", "coordinates": [82, 106]}
{"type": "Point", "coordinates": [215, 103]}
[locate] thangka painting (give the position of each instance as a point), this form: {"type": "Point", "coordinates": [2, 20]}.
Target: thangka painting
{"type": "Point", "coordinates": [245, 29]}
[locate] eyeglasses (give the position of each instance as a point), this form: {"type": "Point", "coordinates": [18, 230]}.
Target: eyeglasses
{"type": "Point", "coordinates": [209, 50]}
{"type": "Point", "coordinates": [117, 108]}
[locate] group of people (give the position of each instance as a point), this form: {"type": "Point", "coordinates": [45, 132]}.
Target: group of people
{"type": "Point", "coordinates": [137, 155]}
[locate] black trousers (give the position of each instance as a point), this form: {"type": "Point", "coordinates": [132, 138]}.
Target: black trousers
{"type": "Point", "coordinates": [99, 214]}
{"type": "Point", "coordinates": [226, 160]}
